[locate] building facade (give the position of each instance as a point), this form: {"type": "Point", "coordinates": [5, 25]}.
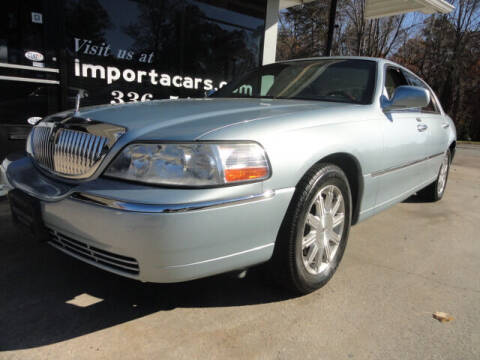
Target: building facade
{"type": "Point", "coordinates": [118, 51]}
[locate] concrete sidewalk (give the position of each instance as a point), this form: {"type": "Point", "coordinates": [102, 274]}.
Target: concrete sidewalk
{"type": "Point", "coordinates": [399, 268]}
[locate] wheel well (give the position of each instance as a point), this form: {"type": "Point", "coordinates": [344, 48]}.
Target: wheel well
{"type": "Point", "coordinates": [352, 170]}
{"type": "Point", "coordinates": [452, 147]}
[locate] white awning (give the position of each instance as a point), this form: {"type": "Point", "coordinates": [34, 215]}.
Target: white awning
{"type": "Point", "coordinates": [380, 8]}
{"type": "Point", "coordinates": [289, 3]}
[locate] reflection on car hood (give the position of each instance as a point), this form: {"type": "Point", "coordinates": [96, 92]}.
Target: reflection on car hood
{"type": "Point", "coordinates": [189, 119]}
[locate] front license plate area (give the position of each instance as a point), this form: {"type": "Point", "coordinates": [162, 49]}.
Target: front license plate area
{"type": "Point", "coordinates": [27, 214]}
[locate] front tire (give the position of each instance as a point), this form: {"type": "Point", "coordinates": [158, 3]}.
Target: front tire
{"type": "Point", "coordinates": [314, 232]}
{"type": "Point", "coordinates": [434, 191]}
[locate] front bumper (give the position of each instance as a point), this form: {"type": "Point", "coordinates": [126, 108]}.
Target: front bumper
{"type": "Point", "coordinates": [156, 234]}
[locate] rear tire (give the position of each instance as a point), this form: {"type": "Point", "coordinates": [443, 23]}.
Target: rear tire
{"type": "Point", "coordinates": [434, 191]}
{"type": "Point", "coordinates": [314, 232]}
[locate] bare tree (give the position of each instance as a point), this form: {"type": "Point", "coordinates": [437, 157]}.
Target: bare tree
{"type": "Point", "coordinates": [377, 37]}
{"type": "Point", "coordinates": [444, 49]}
{"type": "Point", "coordinates": [446, 53]}
{"type": "Point", "coordinates": [303, 31]}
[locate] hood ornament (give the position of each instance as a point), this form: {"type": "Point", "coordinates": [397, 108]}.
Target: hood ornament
{"type": "Point", "coordinates": [80, 95]}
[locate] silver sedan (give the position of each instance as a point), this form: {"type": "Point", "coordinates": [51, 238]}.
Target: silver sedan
{"type": "Point", "coordinates": [273, 168]}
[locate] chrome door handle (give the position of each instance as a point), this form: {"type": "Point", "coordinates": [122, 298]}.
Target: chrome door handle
{"type": "Point", "coordinates": [446, 125]}
{"type": "Point", "coordinates": [422, 127]}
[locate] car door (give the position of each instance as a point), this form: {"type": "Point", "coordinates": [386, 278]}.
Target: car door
{"type": "Point", "coordinates": [436, 129]}
{"type": "Point", "coordinates": [404, 144]}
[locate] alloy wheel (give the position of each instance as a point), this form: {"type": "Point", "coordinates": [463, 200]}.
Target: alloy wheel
{"type": "Point", "coordinates": [322, 229]}
{"type": "Point", "coordinates": [442, 177]}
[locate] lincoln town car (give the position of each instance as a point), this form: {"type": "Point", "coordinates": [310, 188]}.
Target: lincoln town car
{"type": "Point", "coordinates": [273, 168]}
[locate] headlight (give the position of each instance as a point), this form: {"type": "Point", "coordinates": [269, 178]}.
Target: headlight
{"type": "Point", "coordinates": [191, 164]}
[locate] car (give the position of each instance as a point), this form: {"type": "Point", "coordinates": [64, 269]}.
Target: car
{"type": "Point", "coordinates": [272, 169]}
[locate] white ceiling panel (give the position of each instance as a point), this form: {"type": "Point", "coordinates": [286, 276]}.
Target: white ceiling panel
{"type": "Point", "coordinates": [380, 8]}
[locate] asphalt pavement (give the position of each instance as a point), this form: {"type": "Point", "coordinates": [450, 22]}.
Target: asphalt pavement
{"type": "Point", "coordinates": [399, 268]}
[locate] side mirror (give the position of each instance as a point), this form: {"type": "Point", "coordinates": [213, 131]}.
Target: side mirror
{"type": "Point", "coordinates": [407, 97]}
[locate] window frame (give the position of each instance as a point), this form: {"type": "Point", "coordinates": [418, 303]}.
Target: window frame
{"type": "Point", "coordinates": [436, 104]}
{"type": "Point", "coordinates": [386, 68]}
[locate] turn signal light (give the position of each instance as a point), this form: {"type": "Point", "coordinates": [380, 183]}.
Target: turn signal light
{"type": "Point", "coordinates": [246, 174]}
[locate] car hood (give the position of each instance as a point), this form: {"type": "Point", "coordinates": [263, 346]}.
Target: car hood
{"type": "Point", "coordinates": [190, 119]}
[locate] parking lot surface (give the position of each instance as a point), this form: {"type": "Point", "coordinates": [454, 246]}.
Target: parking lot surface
{"type": "Point", "coordinates": [399, 267]}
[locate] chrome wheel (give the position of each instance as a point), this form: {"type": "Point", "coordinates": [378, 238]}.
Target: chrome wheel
{"type": "Point", "coordinates": [442, 177]}
{"type": "Point", "coordinates": [322, 229]}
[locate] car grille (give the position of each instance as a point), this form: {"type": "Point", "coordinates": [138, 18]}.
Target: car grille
{"type": "Point", "coordinates": [117, 263]}
{"type": "Point", "coordinates": [68, 152]}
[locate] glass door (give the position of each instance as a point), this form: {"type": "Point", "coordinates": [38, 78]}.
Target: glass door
{"type": "Point", "coordinates": [29, 74]}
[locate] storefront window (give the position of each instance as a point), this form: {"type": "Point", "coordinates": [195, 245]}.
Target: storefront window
{"type": "Point", "coordinates": [117, 51]}
{"type": "Point", "coordinates": [29, 75]}
{"type": "Point", "coordinates": [139, 50]}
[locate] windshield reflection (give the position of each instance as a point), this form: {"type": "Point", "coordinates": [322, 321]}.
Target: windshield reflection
{"type": "Point", "coordinates": [337, 80]}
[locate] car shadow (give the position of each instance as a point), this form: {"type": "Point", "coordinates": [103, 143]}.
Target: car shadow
{"type": "Point", "coordinates": [42, 288]}
{"type": "Point", "coordinates": [414, 199]}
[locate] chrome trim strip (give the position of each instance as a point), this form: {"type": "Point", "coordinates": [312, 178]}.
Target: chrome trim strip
{"type": "Point", "coordinates": [222, 257]}
{"type": "Point", "coordinates": [168, 208]}
{"type": "Point", "coordinates": [33, 80]}
{"type": "Point", "coordinates": [26, 67]}
{"type": "Point", "coordinates": [395, 168]}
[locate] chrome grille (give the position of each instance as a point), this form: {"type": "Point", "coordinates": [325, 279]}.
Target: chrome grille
{"type": "Point", "coordinates": [68, 152]}
{"type": "Point", "coordinates": [42, 147]}
{"type": "Point", "coordinates": [115, 262]}
{"type": "Point", "coordinates": [76, 152]}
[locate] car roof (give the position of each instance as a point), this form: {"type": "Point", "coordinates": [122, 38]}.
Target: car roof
{"type": "Point", "coordinates": [335, 57]}
{"type": "Point", "coordinates": [378, 60]}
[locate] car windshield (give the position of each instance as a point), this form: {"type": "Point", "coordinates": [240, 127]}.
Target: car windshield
{"type": "Point", "coordinates": [337, 80]}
